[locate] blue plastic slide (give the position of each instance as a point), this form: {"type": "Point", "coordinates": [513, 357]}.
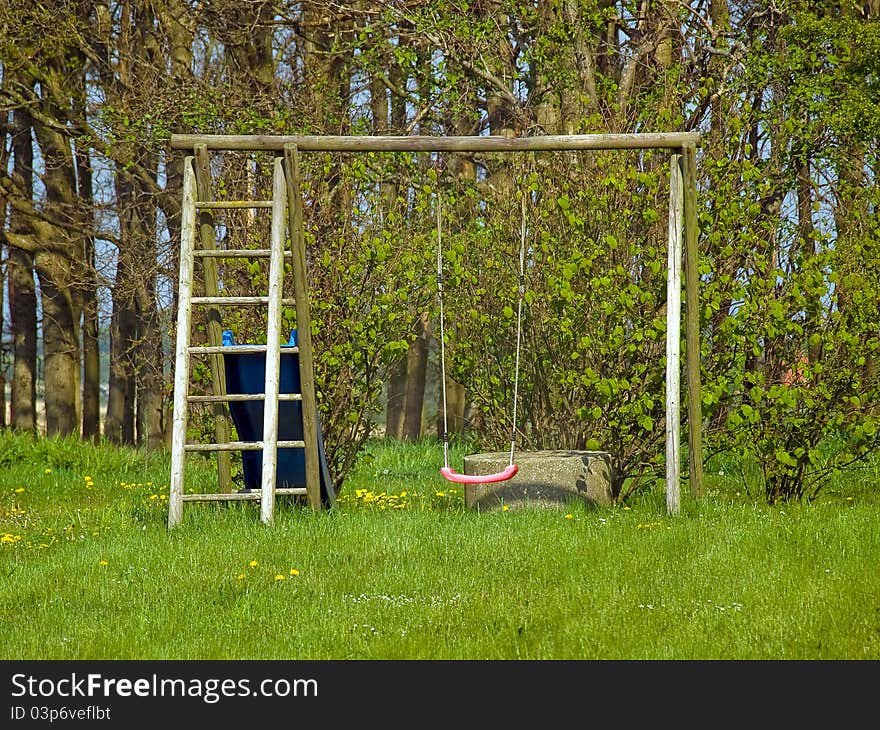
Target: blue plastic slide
{"type": "Point", "coordinates": [246, 373]}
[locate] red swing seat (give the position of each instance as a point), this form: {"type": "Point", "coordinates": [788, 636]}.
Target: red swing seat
{"type": "Point", "coordinates": [500, 476]}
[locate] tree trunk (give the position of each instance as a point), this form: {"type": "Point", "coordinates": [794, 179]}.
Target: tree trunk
{"type": "Point", "coordinates": [145, 340]}
{"type": "Point", "coordinates": [150, 361]}
{"type": "Point", "coordinates": [22, 289]}
{"type": "Point", "coordinates": [396, 400]}
{"type": "Point", "coordinates": [60, 346]}
{"type": "Point", "coordinates": [119, 421]}
{"type": "Point", "coordinates": [417, 368]}
{"type": "Point", "coordinates": [136, 398]}
{"type": "Point", "coordinates": [180, 43]}
{"type": "Point", "coordinates": [719, 12]}
{"type": "Point", "coordinates": [807, 235]}
{"type": "Point", "coordinates": [390, 119]}
{"type": "Point", "coordinates": [91, 386]}
{"type": "Point", "coordinates": [455, 408]}
{"type": "Point", "coordinates": [59, 259]}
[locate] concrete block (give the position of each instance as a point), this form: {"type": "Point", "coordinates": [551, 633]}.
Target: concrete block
{"type": "Point", "coordinates": [545, 478]}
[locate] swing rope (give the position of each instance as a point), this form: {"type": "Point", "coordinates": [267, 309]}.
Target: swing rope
{"type": "Point", "coordinates": [519, 307]}
{"type": "Point", "coordinates": [511, 468]}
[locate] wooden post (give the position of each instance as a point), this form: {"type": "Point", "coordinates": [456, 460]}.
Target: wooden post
{"type": "Point", "coordinates": [692, 303]}
{"type": "Point", "coordinates": [215, 326]}
{"type": "Point", "coordinates": [673, 334]}
{"type": "Point", "coordinates": [303, 326]}
{"type": "Point", "coordinates": [273, 343]}
{"type": "Point", "coordinates": [181, 349]}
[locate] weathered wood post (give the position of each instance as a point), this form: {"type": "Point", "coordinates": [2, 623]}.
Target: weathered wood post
{"type": "Point", "coordinates": [273, 343]}
{"type": "Point", "coordinates": [303, 325]}
{"type": "Point", "coordinates": [181, 348]}
{"type": "Point", "coordinates": [692, 302]}
{"type": "Point", "coordinates": [673, 334]}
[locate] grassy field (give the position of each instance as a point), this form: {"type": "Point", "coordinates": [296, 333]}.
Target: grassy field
{"type": "Point", "coordinates": [401, 570]}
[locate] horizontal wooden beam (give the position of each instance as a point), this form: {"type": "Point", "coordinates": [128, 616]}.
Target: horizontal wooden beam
{"type": "Point", "coordinates": [229, 204]}
{"type": "Point", "coordinates": [244, 397]}
{"type": "Point", "coordinates": [236, 253]}
{"type": "Point", "coordinates": [415, 143]}
{"type": "Point", "coordinates": [238, 301]}
{"type": "Point", "coordinates": [241, 496]}
{"type": "Point", "coordinates": [243, 446]}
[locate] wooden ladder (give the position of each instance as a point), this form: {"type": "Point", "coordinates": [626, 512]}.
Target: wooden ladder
{"type": "Point", "coordinates": [197, 222]}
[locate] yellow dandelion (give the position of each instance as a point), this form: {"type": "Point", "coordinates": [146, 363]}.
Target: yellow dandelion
{"type": "Point", "coordinates": [253, 563]}
{"type": "Point", "coordinates": [280, 577]}
{"type": "Point", "coordinates": [294, 571]}
{"type": "Point", "coordinates": [569, 516]}
{"type": "Point", "coordinates": [241, 576]}
{"type": "Point", "coordinates": [19, 490]}
{"type": "Point", "coordinates": [102, 562]}
{"type": "Point", "coordinates": [440, 494]}
{"type": "Point", "coordinates": [47, 470]}
{"type": "Point", "coordinates": [505, 508]}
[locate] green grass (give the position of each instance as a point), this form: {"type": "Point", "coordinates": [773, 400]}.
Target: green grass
{"type": "Point", "coordinates": [401, 570]}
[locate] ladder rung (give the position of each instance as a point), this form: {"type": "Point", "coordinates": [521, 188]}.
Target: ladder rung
{"type": "Point", "coordinates": [220, 349]}
{"type": "Point", "coordinates": [222, 204]}
{"type": "Point", "coordinates": [234, 301]}
{"type": "Point", "coordinates": [239, 397]}
{"type": "Point", "coordinates": [236, 253]}
{"type": "Point", "coordinates": [241, 496]}
{"type": "Point", "coordinates": [243, 446]}
{"type": "Point", "coordinates": [238, 349]}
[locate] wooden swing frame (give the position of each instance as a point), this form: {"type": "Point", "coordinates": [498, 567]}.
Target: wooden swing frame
{"type": "Point", "coordinates": [682, 248]}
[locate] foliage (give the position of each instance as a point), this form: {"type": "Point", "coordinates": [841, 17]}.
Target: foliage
{"type": "Point", "coordinates": [790, 279]}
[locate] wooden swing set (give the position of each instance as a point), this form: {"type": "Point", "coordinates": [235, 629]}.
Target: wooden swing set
{"type": "Point", "coordinates": [286, 207]}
